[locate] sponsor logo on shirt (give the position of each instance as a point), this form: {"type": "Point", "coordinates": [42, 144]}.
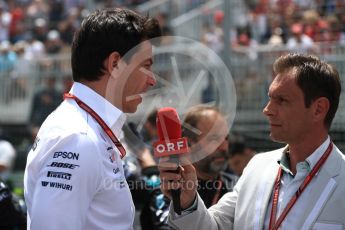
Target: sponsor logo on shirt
{"type": "Point", "coordinates": [45, 183]}
{"type": "Point", "coordinates": [115, 171]}
{"type": "Point", "coordinates": [63, 165]}
{"type": "Point", "coordinates": [57, 185]}
{"type": "Point", "coordinates": [112, 154]}
{"type": "Point", "coordinates": [60, 175]}
{"type": "Point", "coordinates": [68, 155]}
{"type": "Point", "coordinates": [112, 157]}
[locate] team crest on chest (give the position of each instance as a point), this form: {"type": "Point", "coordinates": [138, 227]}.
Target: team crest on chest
{"type": "Point", "coordinates": [112, 153]}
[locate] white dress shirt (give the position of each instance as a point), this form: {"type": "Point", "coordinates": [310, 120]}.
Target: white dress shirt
{"type": "Point", "coordinates": [74, 177]}
{"type": "Point", "coordinates": [289, 185]}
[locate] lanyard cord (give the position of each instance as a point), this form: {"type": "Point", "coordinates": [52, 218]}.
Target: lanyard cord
{"type": "Point", "coordinates": [275, 225]}
{"type": "Point", "coordinates": [100, 121]}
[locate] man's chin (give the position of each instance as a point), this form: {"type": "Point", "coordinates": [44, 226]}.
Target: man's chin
{"type": "Point", "coordinates": [217, 167]}
{"type": "Point", "coordinates": [131, 108]}
{"type": "Point", "coordinates": [277, 139]}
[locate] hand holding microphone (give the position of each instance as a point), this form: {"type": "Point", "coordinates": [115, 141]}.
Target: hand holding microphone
{"type": "Point", "coordinates": [178, 182]}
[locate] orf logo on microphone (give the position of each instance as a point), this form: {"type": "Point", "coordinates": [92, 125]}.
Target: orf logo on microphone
{"type": "Point", "coordinates": [170, 147]}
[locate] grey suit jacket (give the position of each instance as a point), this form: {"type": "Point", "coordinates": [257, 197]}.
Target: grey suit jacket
{"type": "Point", "coordinates": [246, 206]}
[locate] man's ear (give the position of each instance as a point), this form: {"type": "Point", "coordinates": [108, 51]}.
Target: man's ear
{"type": "Point", "coordinates": [112, 64]}
{"type": "Point", "coordinates": [321, 107]}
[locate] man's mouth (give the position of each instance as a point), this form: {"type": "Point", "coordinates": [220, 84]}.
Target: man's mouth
{"type": "Point", "coordinates": [275, 125]}
{"type": "Point", "coordinates": [218, 159]}
{"type": "Point", "coordinates": [134, 97]}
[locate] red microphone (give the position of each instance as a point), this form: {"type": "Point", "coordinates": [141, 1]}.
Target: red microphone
{"type": "Point", "coordinates": [170, 144]}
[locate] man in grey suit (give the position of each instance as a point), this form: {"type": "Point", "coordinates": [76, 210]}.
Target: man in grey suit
{"type": "Point", "coordinates": [300, 186]}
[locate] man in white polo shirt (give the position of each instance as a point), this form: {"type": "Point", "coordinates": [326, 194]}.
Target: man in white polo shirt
{"type": "Point", "coordinates": [74, 177]}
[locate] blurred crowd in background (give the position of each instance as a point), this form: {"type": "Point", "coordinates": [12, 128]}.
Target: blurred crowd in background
{"type": "Point", "coordinates": [33, 29]}
{"type": "Point", "coordinates": [290, 22]}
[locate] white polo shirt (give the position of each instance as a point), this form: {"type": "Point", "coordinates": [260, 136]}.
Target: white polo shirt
{"type": "Point", "coordinates": [74, 177]}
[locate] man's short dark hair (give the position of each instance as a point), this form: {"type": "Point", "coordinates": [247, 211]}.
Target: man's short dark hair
{"type": "Point", "coordinates": [315, 78]}
{"type": "Point", "coordinates": [106, 31]}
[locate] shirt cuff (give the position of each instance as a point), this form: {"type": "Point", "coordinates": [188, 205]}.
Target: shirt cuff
{"type": "Point", "coordinates": [191, 208]}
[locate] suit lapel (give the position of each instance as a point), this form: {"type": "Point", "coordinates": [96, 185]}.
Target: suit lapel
{"type": "Point", "coordinates": [265, 189]}
{"type": "Point", "coordinates": [323, 190]}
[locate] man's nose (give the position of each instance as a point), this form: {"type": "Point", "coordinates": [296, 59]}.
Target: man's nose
{"type": "Point", "coordinates": [223, 146]}
{"type": "Point", "coordinates": [151, 79]}
{"type": "Point", "coordinates": [268, 110]}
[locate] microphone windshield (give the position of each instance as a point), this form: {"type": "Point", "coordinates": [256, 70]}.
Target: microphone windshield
{"type": "Point", "coordinates": [168, 124]}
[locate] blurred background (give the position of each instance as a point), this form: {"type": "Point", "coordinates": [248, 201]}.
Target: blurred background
{"type": "Point", "coordinates": [35, 39]}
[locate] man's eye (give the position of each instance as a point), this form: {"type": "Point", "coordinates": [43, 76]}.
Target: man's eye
{"type": "Point", "coordinates": [147, 66]}
{"type": "Point", "coordinates": [281, 100]}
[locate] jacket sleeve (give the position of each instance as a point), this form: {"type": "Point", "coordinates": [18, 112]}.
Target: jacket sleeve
{"type": "Point", "coordinates": [69, 175]}
{"type": "Point", "coordinates": [219, 216]}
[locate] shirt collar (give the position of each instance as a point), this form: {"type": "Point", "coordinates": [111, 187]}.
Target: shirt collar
{"type": "Point", "coordinates": [311, 161]}
{"type": "Point", "coordinates": [317, 154]}
{"type": "Point", "coordinates": [111, 115]}
{"type": "Point", "coordinates": [284, 162]}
